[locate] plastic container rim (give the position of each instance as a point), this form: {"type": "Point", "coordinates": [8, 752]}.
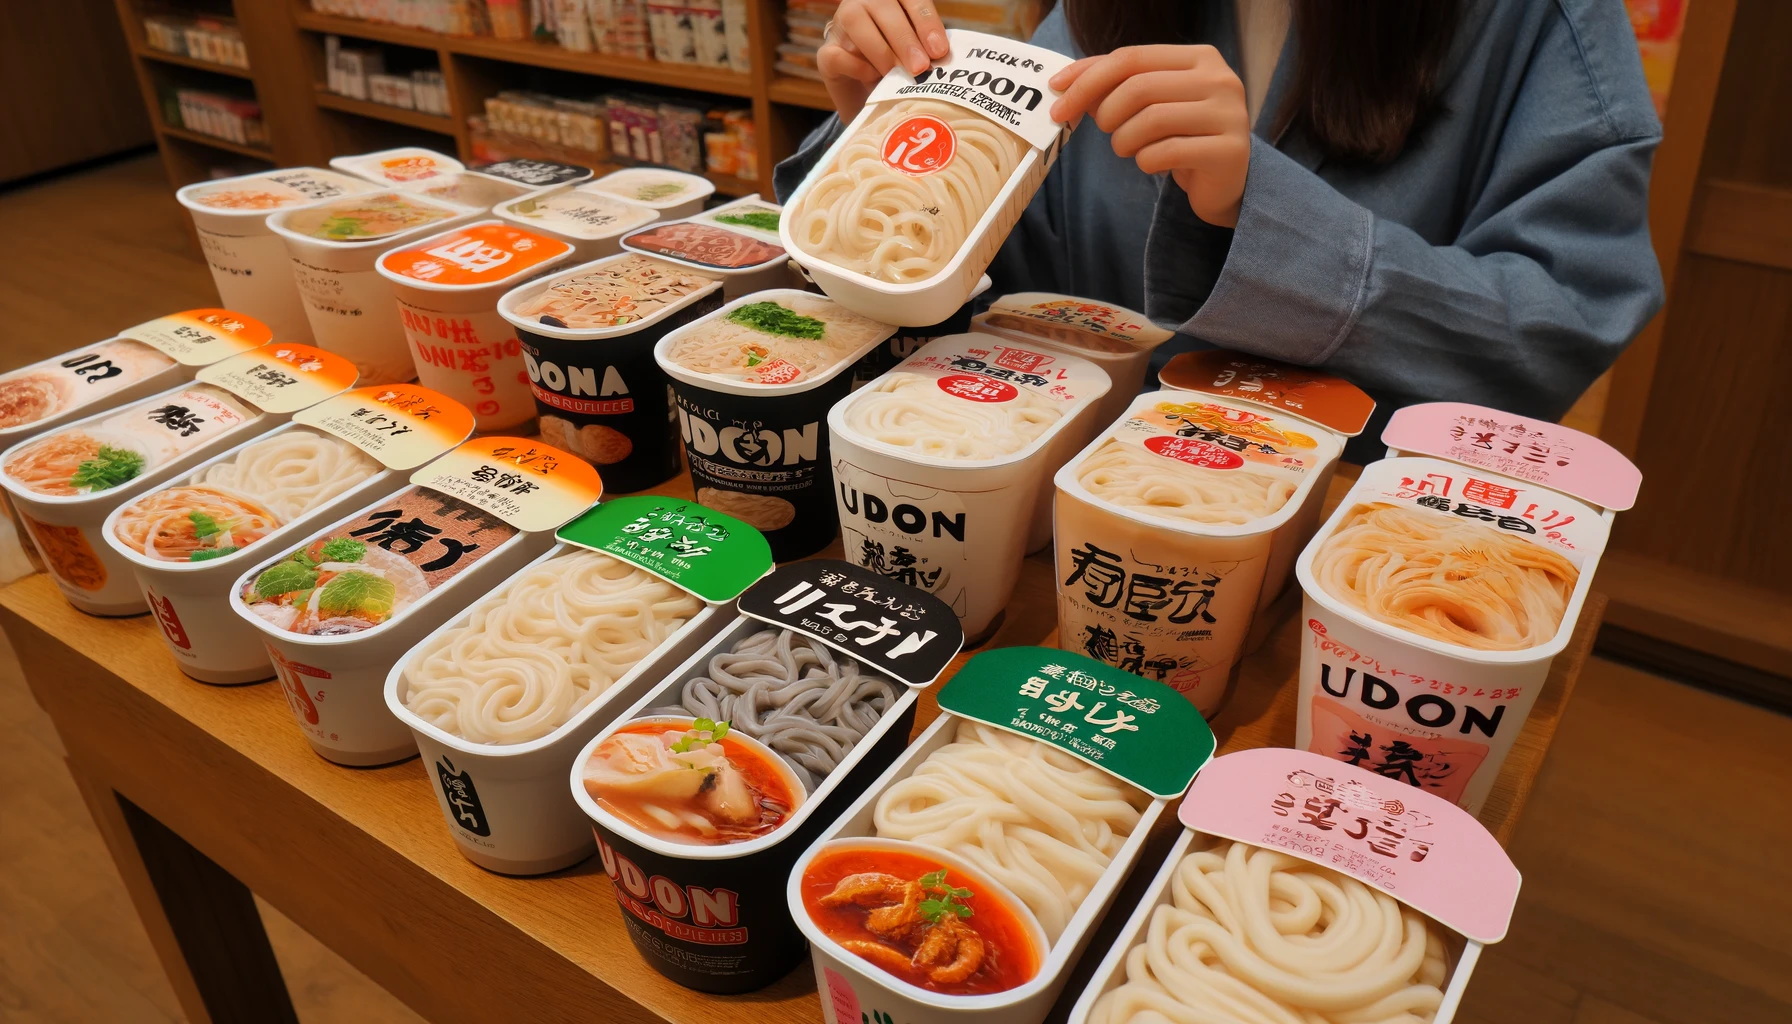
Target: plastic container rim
{"type": "Point", "coordinates": [706, 187]}
{"type": "Point", "coordinates": [277, 223]}
{"type": "Point", "coordinates": [730, 386]}
{"type": "Point", "coordinates": [506, 282]}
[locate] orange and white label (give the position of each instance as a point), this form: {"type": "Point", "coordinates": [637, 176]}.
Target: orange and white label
{"type": "Point", "coordinates": [532, 486]}
{"type": "Point", "coordinates": [200, 337]}
{"type": "Point", "coordinates": [920, 145]}
{"type": "Point", "coordinates": [401, 425]}
{"type": "Point", "coordinates": [410, 168]}
{"type": "Point", "coordinates": [282, 377]}
{"type": "Point", "coordinates": [1329, 401]}
{"type": "Point", "coordinates": [479, 255]}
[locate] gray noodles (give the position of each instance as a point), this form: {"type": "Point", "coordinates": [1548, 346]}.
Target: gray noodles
{"type": "Point", "coordinates": [793, 694]}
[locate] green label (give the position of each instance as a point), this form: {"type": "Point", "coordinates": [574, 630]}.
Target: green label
{"type": "Point", "coordinates": [1135, 729]}
{"type": "Point", "coordinates": [707, 553]}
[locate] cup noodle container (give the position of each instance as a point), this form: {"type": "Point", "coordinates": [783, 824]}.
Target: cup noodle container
{"type": "Point", "coordinates": [703, 915]}
{"type": "Point", "coordinates": [1439, 715]}
{"type": "Point", "coordinates": [758, 450]}
{"type": "Point", "coordinates": [471, 189]}
{"type": "Point", "coordinates": [598, 390]}
{"type": "Point", "coordinates": [348, 302]}
{"type": "Point", "coordinates": [447, 287]}
{"type": "Point", "coordinates": [593, 223]}
{"type": "Point", "coordinates": [248, 261]}
{"type": "Point", "coordinates": [956, 528]}
{"type": "Point", "coordinates": [748, 259]}
{"type": "Point", "coordinates": [407, 167]}
{"type": "Point", "coordinates": [1420, 853]}
{"type": "Point", "coordinates": [986, 75]}
{"type": "Point", "coordinates": [673, 194]}
{"type": "Point", "coordinates": [542, 175]}
{"type": "Point", "coordinates": [1114, 338]}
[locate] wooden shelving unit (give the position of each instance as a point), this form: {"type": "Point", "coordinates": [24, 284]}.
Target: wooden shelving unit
{"type": "Point", "coordinates": [150, 53]}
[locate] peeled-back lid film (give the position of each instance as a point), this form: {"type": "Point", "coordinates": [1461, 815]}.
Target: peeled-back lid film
{"type": "Point", "coordinates": [1332, 402]}
{"type": "Point", "coordinates": [532, 486]}
{"type": "Point", "coordinates": [198, 337]}
{"type": "Point", "coordinates": [901, 631]}
{"type": "Point", "coordinates": [282, 377]}
{"type": "Point", "coordinates": [401, 425]}
{"type": "Point", "coordinates": [1533, 450]}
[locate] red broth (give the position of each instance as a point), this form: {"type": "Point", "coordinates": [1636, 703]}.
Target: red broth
{"type": "Point", "coordinates": [1010, 957]}
{"type": "Point", "coordinates": [768, 783]}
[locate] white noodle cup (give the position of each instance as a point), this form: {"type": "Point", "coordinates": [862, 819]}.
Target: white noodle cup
{"type": "Point", "coordinates": [909, 1004]}
{"type": "Point", "coordinates": [698, 189]}
{"type": "Point", "coordinates": [432, 164]}
{"type": "Point", "coordinates": [1110, 974]}
{"type": "Point", "coordinates": [531, 822]}
{"type": "Point", "coordinates": [350, 724]}
{"type": "Point", "coordinates": [586, 245]}
{"type": "Point", "coordinates": [191, 600]}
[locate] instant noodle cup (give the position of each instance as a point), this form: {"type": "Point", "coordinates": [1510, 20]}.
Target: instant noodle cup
{"type": "Point", "coordinates": [737, 242]}
{"type": "Point", "coordinates": [817, 715]}
{"type": "Point", "coordinates": [902, 215]}
{"type": "Point", "coordinates": [1318, 827]}
{"type": "Point", "coordinates": [332, 247]}
{"type": "Point", "coordinates": [541, 175]}
{"type": "Point", "coordinates": [588, 335]}
{"type": "Point", "coordinates": [407, 167]}
{"type": "Point", "coordinates": [623, 572]}
{"type": "Point", "coordinates": [915, 906]}
{"type": "Point", "coordinates": [753, 383]}
{"type": "Point", "coordinates": [1441, 589]}
{"type": "Point", "coordinates": [674, 194]}
{"type": "Point", "coordinates": [481, 192]}
{"type": "Point", "coordinates": [1112, 337]}
{"type": "Point", "coordinates": [939, 463]}
{"type": "Point", "coordinates": [82, 381]}
{"type": "Point", "coordinates": [593, 223]}
{"type": "Point", "coordinates": [448, 286]}
{"type": "Point", "coordinates": [248, 261]}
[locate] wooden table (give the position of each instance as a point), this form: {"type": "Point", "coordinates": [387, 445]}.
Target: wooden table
{"type": "Point", "coordinates": [204, 794]}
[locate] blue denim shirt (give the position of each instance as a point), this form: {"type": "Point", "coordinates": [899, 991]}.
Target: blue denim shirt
{"type": "Point", "coordinates": [1503, 258]}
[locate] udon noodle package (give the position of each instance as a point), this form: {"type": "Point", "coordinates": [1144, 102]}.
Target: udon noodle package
{"type": "Point", "coordinates": [752, 383]}
{"type": "Point", "coordinates": [901, 216]}
{"type": "Point", "coordinates": [967, 880]}
{"type": "Point", "coordinates": [1305, 890]}
{"type": "Point", "coordinates": [1442, 588]}
{"type": "Point", "coordinates": [721, 775]}
{"type": "Point", "coordinates": [939, 463]}
{"type": "Point", "coordinates": [501, 696]}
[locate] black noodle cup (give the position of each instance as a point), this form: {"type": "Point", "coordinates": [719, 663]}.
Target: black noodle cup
{"type": "Point", "coordinates": [715, 918]}
{"type": "Point", "coordinates": [599, 392]}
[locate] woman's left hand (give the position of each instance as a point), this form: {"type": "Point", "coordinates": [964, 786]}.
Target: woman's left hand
{"type": "Point", "coordinates": [1179, 109]}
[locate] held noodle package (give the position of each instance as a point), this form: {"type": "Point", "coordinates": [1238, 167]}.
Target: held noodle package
{"type": "Point", "coordinates": [901, 216]}
{"type": "Point", "coordinates": [1443, 586]}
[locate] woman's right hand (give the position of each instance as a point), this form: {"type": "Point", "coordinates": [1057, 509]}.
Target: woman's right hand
{"type": "Point", "coordinates": [869, 37]}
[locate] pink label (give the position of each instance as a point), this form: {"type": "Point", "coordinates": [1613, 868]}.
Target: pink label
{"type": "Point", "coordinates": [1539, 451]}
{"type": "Point", "coordinates": [841, 995]}
{"type": "Point", "coordinates": [1540, 515]}
{"type": "Point", "coordinates": [1418, 848]}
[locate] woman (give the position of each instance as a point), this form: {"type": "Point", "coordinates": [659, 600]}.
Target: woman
{"type": "Point", "coordinates": [1433, 198]}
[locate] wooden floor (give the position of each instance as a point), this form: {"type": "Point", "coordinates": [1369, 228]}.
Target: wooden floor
{"type": "Point", "coordinates": [1657, 882]}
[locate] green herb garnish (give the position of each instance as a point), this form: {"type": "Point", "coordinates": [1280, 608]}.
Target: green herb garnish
{"type": "Point", "coordinates": [357, 593]}
{"type": "Point", "coordinates": [775, 319]}
{"type": "Point", "coordinates": [340, 226]}
{"type": "Point", "coordinates": [204, 525]}
{"type": "Point", "coordinates": [762, 219]}
{"type": "Point", "coordinates": [109, 467]}
{"type": "Point", "coordinates": [944, 899]}
{"type": "Point", "coordinates": [702, 733]}
{"type": "Point", "coordinates": [660, 190]}
{"type": "Point", "coordinates": [206, 556]}
{"type": "Point", "coordinates": [342, 549]}
{"type": "Point", "coordinates": [284, 578]}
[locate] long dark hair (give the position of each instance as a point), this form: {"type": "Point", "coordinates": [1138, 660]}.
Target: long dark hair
{"type": "Point", "coordinates": [1366, 74]}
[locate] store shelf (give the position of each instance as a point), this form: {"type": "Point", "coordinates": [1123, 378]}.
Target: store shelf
{"type": "Point", "coordinates": [164, 57]}
{"type": "Point", "coordinates": [800, 92]}
{"type": "Point", "coordinates": [177, 132]}
{"type": "Point", "coordinates": [385, 112]}
{"type": "Point", "coordinates": [542, 55]}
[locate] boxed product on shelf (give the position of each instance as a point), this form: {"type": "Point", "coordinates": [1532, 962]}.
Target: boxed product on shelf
{"type": "Point", "coordinates": [733, 149]}
{"type": "Point", "coordinates": [215, 40]}
{"type": "Point", "coordinates": [346, 68]}
{"type": "Point", "coordinates": [734, 26]}
{"type": "Point", "coordinates": [392, 90]}
{"type": "Point", "coordinates": [619, 28]}
{"type": "Point", "coordinates": [449, 17]}
{"type": "Point", "coordinates": [430, 92]}
{"type": "Point", "coordinates": [226, 117]}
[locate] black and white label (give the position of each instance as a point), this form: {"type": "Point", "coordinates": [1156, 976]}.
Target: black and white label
{"type": "Point", "coordinates": [905, 633]}
{"type": "Point", "coordinates": [462, 797]}
{"type": "Point", "coordinates": [536, 173]}
{"type": "Point", "coordinates": [1004, 80]}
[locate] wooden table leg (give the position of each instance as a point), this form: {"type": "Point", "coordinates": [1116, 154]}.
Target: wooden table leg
{"type": "Point", "coordinates": [202, 921]}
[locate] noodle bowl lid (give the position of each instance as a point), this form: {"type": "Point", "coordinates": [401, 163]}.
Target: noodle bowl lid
{"type": "Point", "coordinates": [697, 549]}
{"type": "Point", "coordinates": [282, 377]}
{"type": "Point", "coordinates": [536, 173]}
{"type": "Point", "coordinates": [401, 425]}
{"type": "Point", "coordinates": [718, 244]}
{"type": "Point", "coordinates": [1415, 846]}
{"type": "Point", "coordinates": [1136, 729]}
{"type": "Point", "coordinates": [1331, 402]}
{"type": "Point", "coordinates": [1532, 450]}
{"type": "Point", "coordinates": [1041, 313]}
{"type": "Point", "coordinates": [531, 486]}
{"type": "Point", "coordinates": [200, 337]}
{"type": "Point", "coordinates": [900, 631]}
{"type": "Point", "coordinates": [405, 167]}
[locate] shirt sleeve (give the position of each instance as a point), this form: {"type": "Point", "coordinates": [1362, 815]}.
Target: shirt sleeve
{"type": "Point", "coordinates": [1549, 277]}
{"type": "Point", "coordinates": [792, 169]}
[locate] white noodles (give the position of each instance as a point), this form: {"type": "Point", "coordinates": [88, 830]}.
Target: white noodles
{"type": "Point", "coordinates": [1127, 475]}
{"type": "Point", "coordinates": [292, 472]}
{"type": "Point", "coordinates": [910, 411]}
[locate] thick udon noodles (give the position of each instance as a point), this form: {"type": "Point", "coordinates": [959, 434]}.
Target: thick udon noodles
{"type": "Point", "coordinates": [864, 215]}
{"type": "Point", "coordinates": [793, 694]}
{"type": "Point", "coordinates": [1127, 475]}
{"type": "Point", "coordinates": [1252, 936]}
{"type": "Point", "coordinates": [1035, 818]}
{"type": "Point", "coordinates": [541, 649]}
{"type": "Point", "coordinates": [910, 411]}
{"type": "Point", "coordinates": [1453, 580]}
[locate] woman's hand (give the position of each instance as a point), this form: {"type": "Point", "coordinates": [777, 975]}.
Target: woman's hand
{"type": "Point", "coordinates": [1169, 108]}
{"type": "Point", "coordinates": [869, 37]}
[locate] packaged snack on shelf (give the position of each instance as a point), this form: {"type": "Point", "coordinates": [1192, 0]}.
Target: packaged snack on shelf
{"type": "Point", "coordinates": [224, 117]}
{"type": "Point", "coordinates": [680, 146]}
{"type": "Point", "coordinates": [709, 32]}
{"type": "Point", "coordinates": [573, 28]}
{"type": "Point", "coordinates": [669, 23]}
{"type": "Point", "coordinates": [740, 45]}
{"type": "Point", "coordinates": [621, 28]}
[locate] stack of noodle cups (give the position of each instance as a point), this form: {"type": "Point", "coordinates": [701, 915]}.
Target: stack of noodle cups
{"type": "Point", "coordinates": [916, 160]}
{"type": "Point", "coordinates": [1182, 594]}
{"type": "Point", "coordinates": [1413, 851]}
{"type": "Point", "coordinates": [771, 271]}
{"type": "Point", "coordinates": [1476, 582]}
{"type": "Point", "coordinates": [191, 600]}
{"type": "Point", "coordinates": [956, 527]}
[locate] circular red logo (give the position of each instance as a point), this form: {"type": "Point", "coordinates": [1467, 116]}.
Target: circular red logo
{"type": "Point", "coordinates": [977, 388]}
{"type": "Point", "coordinates": [1195, 452]}
{"type": "Point", "coordinates": [920, 145]}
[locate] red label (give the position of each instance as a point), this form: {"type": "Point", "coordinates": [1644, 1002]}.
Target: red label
{"type": "Point", "coordinates": [1019, 359]}
{"type": "Point", "coordinates": [845, 1000]}
{"type": "Point", "coordinates": [976, 388]}
{"type": "Point", "coordinates": [777, 371]}
{"type": "Point", "coordinates": [171, 627]}
{"type": "Point", "coordinates": [920, 145]}
{"type": "Point", "coordinates": [1194, 451]}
